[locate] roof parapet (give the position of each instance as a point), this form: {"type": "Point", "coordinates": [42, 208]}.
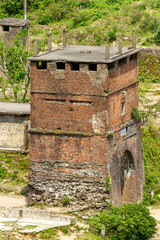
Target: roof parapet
{"type": "Point", "coordinates": [49, 41]}
{"type": "Point", "coordinates": [35, 48]}
{"type": "Point", "coordinates": [64, 37]}
{"type": "Point", "coordinates": [134, 40]}
{"type": "Point", "coordinates": [119, 46]}
{"type": "Point", "coordinates": [107, 52]}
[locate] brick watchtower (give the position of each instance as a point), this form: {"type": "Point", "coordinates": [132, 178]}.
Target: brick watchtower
{"type": "Point", "coordinates": [82, 134]}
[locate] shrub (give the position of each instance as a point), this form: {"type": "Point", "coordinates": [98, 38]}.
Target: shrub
{"type": "Point", "coordinates": [65, 200]}
{"type": "Point", "coordinates": [112, 34]}
{"type": "Point", "coordinates": [135, 114]}
{"type": "Point", "coordinates": [130, 221]}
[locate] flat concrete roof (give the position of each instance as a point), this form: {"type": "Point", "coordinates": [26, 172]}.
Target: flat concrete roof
{"type": "Point", "coordinates": [13, 22]}
{"type": "Point", "coordinates": [84, 54]}
{"type": "Point", "coordinates": [14, 108]}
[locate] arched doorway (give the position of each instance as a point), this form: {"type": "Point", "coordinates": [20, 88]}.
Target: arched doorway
{"type": "Point", "coordinates": [128, 178]}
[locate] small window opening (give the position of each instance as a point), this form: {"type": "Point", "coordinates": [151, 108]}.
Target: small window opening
{"type": "Point", "coordinates": [133, 57]}
{"type": "Point", "coordinates": [92, 67]}
{"type": "Point", "coordinates": [123, 107]}
{"type": "Point", "coordinates": [123, 131]}
{"type": "Point", "coordinates": [5, 28]}
{"type": "Point", "coordinates": [60, 65]}
{"type": "Point", "coordinates": [111, 66]}
{"type": "Point", "coordinates": [54, 100]}
{"type": "Point", "coordinates": [41, 65]}
{"type": "Point", "coordinates": [122, 61]}
{"type": "Point", "coordinates": [75, 66]}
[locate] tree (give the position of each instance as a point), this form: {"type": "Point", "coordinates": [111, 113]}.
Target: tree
{"type": "Point", "coordinates": [13, 65]}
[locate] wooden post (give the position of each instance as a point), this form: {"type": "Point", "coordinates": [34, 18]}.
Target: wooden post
{"type": "Point", "coordinates": [64, 37]}
{"type": "Point", "coordinates": [119, 46]}
{"type": "Point", "coordinates": [25, 10]}
{"type": "Point", "coordinates": [107, 52]}
{"type": "Point", "coordinates": [49, 41]}
{"type": "Point", "coordinates": [35, 48]}
{"type": "Point", "coordinates": [134, 41]}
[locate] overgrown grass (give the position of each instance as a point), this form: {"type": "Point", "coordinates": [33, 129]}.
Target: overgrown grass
{"type": "Point", "coordinates": [151, 154]}
{"type": "Point", "coordinates": [149, 69]}
{"type": "Point", "coordinates": [13, 171]}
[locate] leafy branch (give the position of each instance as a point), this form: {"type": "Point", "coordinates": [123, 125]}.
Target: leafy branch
{"type": "Point", "coordinates": [14, 66]}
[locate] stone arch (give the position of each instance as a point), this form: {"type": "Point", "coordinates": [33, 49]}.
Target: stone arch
{"type": "Point", "coordinates": [128, 178]}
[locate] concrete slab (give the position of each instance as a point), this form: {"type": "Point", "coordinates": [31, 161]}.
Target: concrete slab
{"type": "Point", "coordinates": [33, 220]}
{"type": "Point", "coordinates": [85, 54]}
{"type": "Point", "coordinates": [14, 108]}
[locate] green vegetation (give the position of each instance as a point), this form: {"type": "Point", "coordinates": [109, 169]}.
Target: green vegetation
{"type": "Point", "coordinates": [130, 221]}
{"type": "Point", "coordinates": [65, 200]}
{"type": "Point", "coordinates": [108, 183]}
{"type": "Point", "coordinates": [13, 172]}
{"type": "Point", "coordinates": [149, 70]}
{"type": "Point", "coordinates": [135, 114]}
{"type": "Point", "coordinates": [48, 234]}
{"type": "Point", "coordinates": [93, 22]}
{"type": "Point", "coordinates": [151, 153]}
{"type": "Point", "coordinates": [14, 67]}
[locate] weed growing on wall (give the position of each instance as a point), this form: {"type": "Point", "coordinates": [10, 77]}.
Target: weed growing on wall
{"type": "Point", "coordinates": [135, 114]}
{"type": "Point", "coordinates": [65, 200]}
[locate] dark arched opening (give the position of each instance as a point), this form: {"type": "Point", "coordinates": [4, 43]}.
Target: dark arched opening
{"type": "Point", "coordinates": [127, 178]}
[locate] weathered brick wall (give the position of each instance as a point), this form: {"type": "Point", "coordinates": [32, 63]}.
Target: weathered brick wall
{"type": "Point", "coordinates": [83, 82]}
{"type": "Point", "coordinates": [68, 165]}
{"type": "Point", "coordinates": [77, 124]}
{"type": "Point", "coordinates": [128, 96]}
{"type": "Point", "coordinates": [133, 187]}
{"type": "Point", "coordinates": [68, 112]}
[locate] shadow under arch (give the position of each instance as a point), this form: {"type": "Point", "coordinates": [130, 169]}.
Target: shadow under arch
{"type": "Point", "coordinates": [128, 178]}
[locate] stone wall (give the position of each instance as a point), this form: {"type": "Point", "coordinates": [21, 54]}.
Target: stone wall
{"type": "Point", "coordinates": [14, 122]}
{"type": "Point", "coordinates": [9, 36]}
{"type": "Point", "coordinates": [13, 133]}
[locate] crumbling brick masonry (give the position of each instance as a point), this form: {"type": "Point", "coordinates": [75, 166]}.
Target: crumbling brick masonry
{"type": "Point", "coordinates": [82, 136]}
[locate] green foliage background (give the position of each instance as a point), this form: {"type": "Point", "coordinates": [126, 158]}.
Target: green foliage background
{"type": "Point", "coordinates": [151, 154]}
{"type": "Point", "coordinates": [94, 22]}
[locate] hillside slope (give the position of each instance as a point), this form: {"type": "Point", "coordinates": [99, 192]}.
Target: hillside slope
{"type": "Point", "coordinates": [90, 22]}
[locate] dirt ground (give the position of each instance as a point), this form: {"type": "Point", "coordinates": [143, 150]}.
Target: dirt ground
{"type": "Point", "coordinates": [12, 201]}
